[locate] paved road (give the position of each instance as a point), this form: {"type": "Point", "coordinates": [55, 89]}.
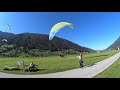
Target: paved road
{"type": "Point", "coordinates": [86, 72]}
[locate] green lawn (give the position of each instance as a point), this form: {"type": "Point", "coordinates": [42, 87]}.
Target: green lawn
{"type": "Point", "coordinates": [55, 63]}
{"type": "Point", "coordinates": [112, 72]}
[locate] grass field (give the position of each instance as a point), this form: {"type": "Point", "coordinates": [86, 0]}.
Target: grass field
{"type": "Point", "coordinates": [112, 72]}
{"type": "Point", "coordinates": [55, 63]}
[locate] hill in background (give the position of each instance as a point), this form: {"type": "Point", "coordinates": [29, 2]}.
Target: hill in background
{"type": "Point", "coordinates": [31, 43]}
{"type": "Point", "coordinates": [115, 45]}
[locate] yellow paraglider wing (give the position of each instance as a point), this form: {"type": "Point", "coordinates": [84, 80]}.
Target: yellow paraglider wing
{"type": "Point", "coordinates": [57, 27]}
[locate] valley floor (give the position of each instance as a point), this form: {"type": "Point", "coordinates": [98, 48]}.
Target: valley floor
{"type": "Point", "coordinates": [86, 72]}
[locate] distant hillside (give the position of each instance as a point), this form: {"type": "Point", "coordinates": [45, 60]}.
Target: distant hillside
{"type": "Point", "coordinates": [4, 35]}
{"type": "Point", "coordinates": [33, 45]}
{"type": "Point", "coordinates": [115, 45]}
{"type": "Point", "coordinates": [40, 41]}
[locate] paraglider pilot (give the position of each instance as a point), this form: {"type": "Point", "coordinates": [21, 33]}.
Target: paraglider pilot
{"type": "Point", "coordinates": [81, 61]}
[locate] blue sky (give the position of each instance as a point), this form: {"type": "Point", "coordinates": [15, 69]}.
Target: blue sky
{"type": "Point", "coordinates": [96, 30]}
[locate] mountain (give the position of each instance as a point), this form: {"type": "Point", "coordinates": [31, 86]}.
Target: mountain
{"type": "Point", "coordinates": [4, 35]}
{"type": "Point", "coordinates": [41, 41]}
{"type": "Point", "coordinates": [115, 45]}
{"type": "Point", "coordinates": [31, 42]}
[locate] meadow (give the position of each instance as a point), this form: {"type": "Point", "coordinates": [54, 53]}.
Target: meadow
{"type": "Point", "coordinates": [53, 64]}
{"type": "Point", "coordinates": [112, 72]}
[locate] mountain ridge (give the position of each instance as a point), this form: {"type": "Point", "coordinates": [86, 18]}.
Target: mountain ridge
{"type": "Point", "coordinates": [33, 41]}
{"type": "Point", "coordinates": [115, 44]}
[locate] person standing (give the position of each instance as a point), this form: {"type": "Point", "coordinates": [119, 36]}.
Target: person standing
{"type": "Point", "coordinates": [81, 60]}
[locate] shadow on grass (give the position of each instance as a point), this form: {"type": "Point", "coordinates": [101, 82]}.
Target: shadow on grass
{"type": "Point", "coordinates": [35, 70]}
{"type": "Point", "coordinates": [97, 56]}
{"type": "Point", "coordinates": [41, 69]}
{"type": "Point", "coordinates": [12, 69]}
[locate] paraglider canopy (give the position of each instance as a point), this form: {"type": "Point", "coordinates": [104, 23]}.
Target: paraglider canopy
{"type": "Point", "coordinates": [57, 27]}
{"type": "Point", "coordinates": [8, 26]}
{"type": "Point", "coordinates": [4, 40]}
